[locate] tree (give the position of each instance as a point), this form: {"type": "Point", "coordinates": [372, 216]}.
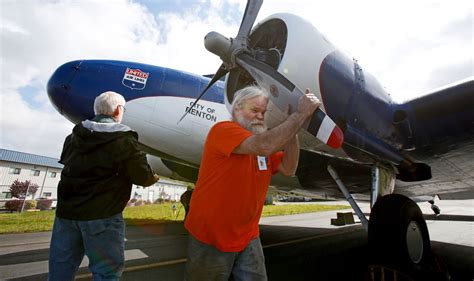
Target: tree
{"type": "Point", "coordinates": [19, 189]}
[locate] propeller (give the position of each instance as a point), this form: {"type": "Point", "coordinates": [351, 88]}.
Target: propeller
{"type": "Point", "coordinates": [227, 48]}
{"type": "Point", "coordinates": [284, 93]}
{"type": "Point", "coordinates": [235, 54]}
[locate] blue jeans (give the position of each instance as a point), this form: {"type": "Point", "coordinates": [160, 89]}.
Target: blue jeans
{"type": "Point", "coordinates": [205, 262]}
{"type": "Point", "coordinates": [101, 240]}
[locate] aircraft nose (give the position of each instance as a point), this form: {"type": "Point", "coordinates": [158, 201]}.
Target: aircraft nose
{"type": "Point", "coordinates": [59, 84]}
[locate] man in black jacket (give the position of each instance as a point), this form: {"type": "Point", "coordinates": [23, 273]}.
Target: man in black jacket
{"type": "Point", "coordinates": [185, 199]}
{"type": "Point", "coordinates": [101, 162]}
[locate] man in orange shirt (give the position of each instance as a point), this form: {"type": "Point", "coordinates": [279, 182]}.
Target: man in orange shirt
{"type": "Point", "coordinates": [239, 158]}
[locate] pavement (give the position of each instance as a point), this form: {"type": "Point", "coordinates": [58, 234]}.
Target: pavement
{"type": "Point", "coordinates": [297, 247]}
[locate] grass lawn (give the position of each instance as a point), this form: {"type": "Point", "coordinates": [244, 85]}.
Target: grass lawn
{"type": "Point", "coordinates": [139, 215]}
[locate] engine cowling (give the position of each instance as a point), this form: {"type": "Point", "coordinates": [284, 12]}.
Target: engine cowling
{"type": "Point", "coordinates": [301, 47]}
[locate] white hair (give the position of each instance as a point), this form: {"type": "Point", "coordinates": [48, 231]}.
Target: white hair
{"type": "Point", "coordinates": [107, 102]}
{"type": "Point", "coordinates": [244, 94]}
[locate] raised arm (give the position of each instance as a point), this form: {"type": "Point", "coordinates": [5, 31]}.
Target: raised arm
{"type": "Point", "coordinates": [278, 137]}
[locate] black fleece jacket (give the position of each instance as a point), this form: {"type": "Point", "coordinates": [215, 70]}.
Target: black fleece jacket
{"type": "Point", "coordinates": [101, 160]}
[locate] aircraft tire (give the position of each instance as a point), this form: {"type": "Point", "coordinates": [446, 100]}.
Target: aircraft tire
{"type": "Point", "coordinates": [398, 235]}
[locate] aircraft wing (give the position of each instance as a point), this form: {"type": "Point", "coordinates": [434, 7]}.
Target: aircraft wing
{"type": "Point", "coordinates": [443, 117]}
{"type": "Point", "coordinates": [436, 129]}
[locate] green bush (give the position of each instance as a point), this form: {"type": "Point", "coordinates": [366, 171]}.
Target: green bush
{"type": "Point", "coordinates": [15, 205]}
{"type": "Point", "coordinates": [139, 202]}
{"type": "Point", "coordinates": [30, 204]}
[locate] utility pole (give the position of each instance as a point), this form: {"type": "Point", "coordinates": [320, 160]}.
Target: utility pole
{"type": "Point", "coordinates": [24, 199]}
{"type": "Point", "coordinates": [44, 180]}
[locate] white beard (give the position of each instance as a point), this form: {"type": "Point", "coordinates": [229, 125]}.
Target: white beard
{"type": "Point", "coordinates": [253, 126]}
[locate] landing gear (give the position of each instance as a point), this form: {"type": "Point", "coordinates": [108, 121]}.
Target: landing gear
{"type": "Point", "coordinates": [398, 235]}
{"type": "Point", "coordinates": [399, 241]}
{"type": "Point", "coordinates": [435, 208]}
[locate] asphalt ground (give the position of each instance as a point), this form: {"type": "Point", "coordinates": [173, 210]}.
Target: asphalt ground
{"type": "Point", "coordinates": [296, 247]}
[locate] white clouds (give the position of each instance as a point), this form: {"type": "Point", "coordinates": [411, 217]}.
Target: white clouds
{"type": "Point", "coordinates": [185, 43]}
{"type": "Point", "coordinates": [8, 26]}
{"type": "Point", "coordinates": [37, 37]}
{"type": "Point", "coordinates": [410, 46]}
{"type": "Point", "coordinates": [29, 129]}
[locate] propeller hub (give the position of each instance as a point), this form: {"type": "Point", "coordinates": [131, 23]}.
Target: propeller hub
{"type": "Point", "coordinates": [218, 44]}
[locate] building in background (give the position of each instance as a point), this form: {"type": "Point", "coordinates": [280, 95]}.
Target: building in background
{"type": "Point", "coordinates": [40, 170]}
{"type": "Point", "coordinates": [165, 190]}
{"type": "Point", "coordinates": [46, 173]}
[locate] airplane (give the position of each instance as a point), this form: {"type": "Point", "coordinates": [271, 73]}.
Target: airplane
{"type": "Point", "coordinates": [385, 152]}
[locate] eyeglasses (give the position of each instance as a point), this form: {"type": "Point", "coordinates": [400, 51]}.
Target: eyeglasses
{"type": "Point", "coordinates": [123, 107]}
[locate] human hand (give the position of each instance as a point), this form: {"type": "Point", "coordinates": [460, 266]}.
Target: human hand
{"type": "Point", "coordinates": [308, 103]}
{"type": "Point", "coordinates": [287, 112]}
{"type": "Point", "coordinates": [157, 178]}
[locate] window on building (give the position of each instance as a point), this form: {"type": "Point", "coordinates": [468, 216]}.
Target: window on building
{"type": "Point", "coordinates": [6, 195]}
{"type": "Point", "coordinates": [52, 174]}
{"type": "Point", "coordinates": [46, 194]}
{"type": "Point", "coordinates": [15, 171]}
{"type": "Point", "coordinates": [35, 173]}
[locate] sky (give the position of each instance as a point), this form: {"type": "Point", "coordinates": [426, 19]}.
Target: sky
{"type": "Point", "coordinates": [411, 46]}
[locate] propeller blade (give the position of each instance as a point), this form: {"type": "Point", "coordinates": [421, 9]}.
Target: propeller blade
{"type": "Point", "coordinates": [250, 14]}
{"type": "Point", "coordinates": [219, 74]}
{"type": "Point", "coordinates": [284, 93]}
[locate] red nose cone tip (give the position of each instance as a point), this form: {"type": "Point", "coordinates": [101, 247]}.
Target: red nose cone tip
{"type": "Point", "coordinates": [336, 138]}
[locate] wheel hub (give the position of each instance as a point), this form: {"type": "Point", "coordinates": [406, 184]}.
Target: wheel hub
{"type": "Point", "coordinates": [414, 242]}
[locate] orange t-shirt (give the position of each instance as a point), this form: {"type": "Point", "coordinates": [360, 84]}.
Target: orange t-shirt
{"type": "Point", "coordinates": [230, 192]}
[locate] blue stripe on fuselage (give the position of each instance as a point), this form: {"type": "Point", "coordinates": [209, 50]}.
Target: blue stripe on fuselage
{"type": "Point", "coordinates": [93, 77]}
